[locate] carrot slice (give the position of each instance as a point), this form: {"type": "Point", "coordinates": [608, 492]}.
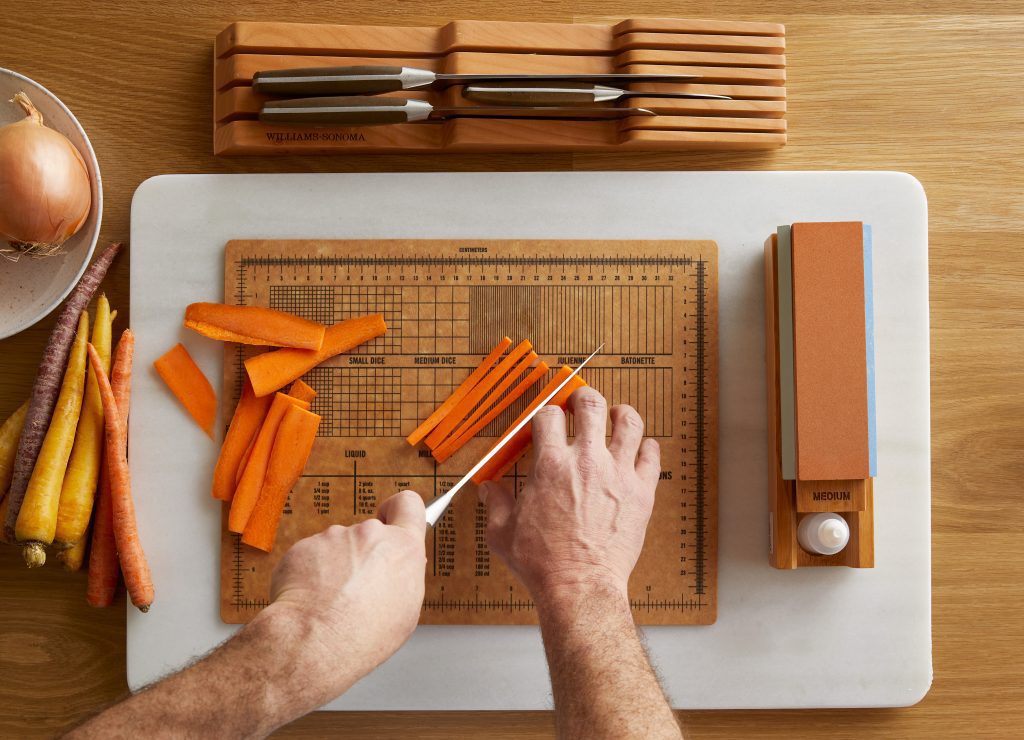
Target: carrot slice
{"type": "Point", "coordinates": [464, 407]}
{"type": "Point", "coordinates": [302, 392]}
{"type": "Point", "coordinates": [467, 385]}
{"type": "Point", "coordinates": [189, 385]}
{"type": "Point", "coordinates": [254, 325]}
{"type": "Point", "coordinates": [272, 371]}
{"type": "Point", "coordinates": [248, 490]}
{"type": "Point", "coordinates": [292, 446]}
{"type": "Point", "coordinates": [472, 426]}
{"type": "Point", "coordinates": [500, 464]}
{"type": "Point", "coordinates": [245, 425]}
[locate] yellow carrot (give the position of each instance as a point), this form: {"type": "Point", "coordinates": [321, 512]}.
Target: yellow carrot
{"type": "Point", "coordinates": [37, 518]}
{"type": "Point", "coordinates": [79, 489]}
{"type": "Point", "coordinates": [10, 433]}
{"type": "Point", "coordinates": [72, 558]}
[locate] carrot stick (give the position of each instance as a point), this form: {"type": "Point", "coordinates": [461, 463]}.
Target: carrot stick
{"type": "Point", "coordinates": [459, 393]}
{"type": "Point", "coordinates": [302, 392]}
{"type": "Point", "coordinates": [137, 578]}
{"type": "Point", "coordinates": [79, 488]}
{"type": "Point", "coordinates": [245, 424]}
{"type": "Point", "coordinates": [253, 325]}
{"type": "Point", "coordinates": [187, 382]}
{"type": "Point", "coordinates": [464, 407]}
{"type": "Point", "coordinates": [104, 568]}
{"type": "Point", "coordinates": [272, 371]}
{"type": "Point", "coordinates": [37, 519]}
{"type": "Point", "coordinates": [298, 390]}
{"type": "Point", "coordinates": [248, 450]}
{"type": "Point", "coordinates": [292, 446]}
{"type": "Point", "coordinates": [517, 446]}
{"type": "Point", "coordinates": [48, 380]}
{"type": "Point", "coordinates": [9, 434]}
{"type": "Point", "coordinates": [73, 557]}
{"type": "Point", "coordinates": [472, 426]}
{"type": "Point", "coordinates": [248, 490]}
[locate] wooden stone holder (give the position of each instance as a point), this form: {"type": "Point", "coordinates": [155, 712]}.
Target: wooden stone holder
{"type": "Point", "coordinates": [744, 60]}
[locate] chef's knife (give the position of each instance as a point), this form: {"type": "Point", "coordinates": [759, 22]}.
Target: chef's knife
{"type": "Point", "coordinates": [437, 507]}
{"type": "Point", "coordinates": [372, 79]}
{"type": "Point", "coordinates": [567, 93]}
{"type": "Point", "coordinates": [375, 111]}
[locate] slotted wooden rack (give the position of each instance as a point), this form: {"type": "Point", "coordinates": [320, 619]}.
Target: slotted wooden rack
{"type": "Point", "coordinates": [744, 60]}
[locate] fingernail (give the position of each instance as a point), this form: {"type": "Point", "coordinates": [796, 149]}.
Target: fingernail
{"type": "Point", "coordinates": [482, 491]}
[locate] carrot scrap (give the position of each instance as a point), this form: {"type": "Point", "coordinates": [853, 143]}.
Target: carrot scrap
{"type": "Point", "coordinates": [272, 371]}
{"type": "Point", "coordinates": [466, 406]}
{"type": "Point", "coordinates": [245, 425]}
{"type": "Point", "coordinates": [509, 455]}
{"type": "Point", "coordinates": [302, 392]}
{"type": "Point", "coordinates": [292, 446]}
{"type": "Point", "coordinates": [187, 382]}
{"type": "Point", "coordinates": [248, 489]}
{"type": "Point", "coordinates": [472, 426]}
{"type": "Point", "coordinates": [254, 325]}
{"type": "Point", "coordinates": [459, 393]}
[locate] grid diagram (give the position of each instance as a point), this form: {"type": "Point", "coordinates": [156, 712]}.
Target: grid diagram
{"type": "Point", "coordinates": [357, 401]}
{"type": "Point", "coordinates": [329, 304]}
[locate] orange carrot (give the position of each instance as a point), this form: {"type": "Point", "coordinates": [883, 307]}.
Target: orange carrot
{"type": "Point", "coordinates": [104, 568]}
{"type": "Point", "coordinates": [302, 392]}
{"type": "Point", "coordinates": [187, 382]}
{"type": "Point", "coordinates": [517, 446]}
{"type": "Point", "coordinates": [467, 385]}
{"type": "Point", "coordinates": [472, 426]}
{"type": "Point", "coordinates": [245, 425]}
{"type": "Point", "coordinates": [464, 407]}
{"type": "Point", "coordinates": [272, 371]}
{"type": "Point", "coordinates": [253, 325]}
{"type": "Point", "coordinates": [248, 489]}
{"type": "Point", "coordinates": [137, 577]}
{"type": "Point", "coordinates": [292, 445]}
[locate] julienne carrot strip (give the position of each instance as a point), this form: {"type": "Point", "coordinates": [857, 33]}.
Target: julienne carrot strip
{"type": "Point", "coordinates": [272, 371]}
{"type": "Point", "coordinates": [459, 393]}
{"type": "Point", "coordinates": [292, 446]}
{"type": "Point", "coordinates": [464, 407]}
{"type": "Point", "coordinates": [254, 325]}
{"type": "Point", "coordinates": [248, 490]}
{"type": "Point", "coordinates": [471, 427]}
{"type": "Point", "coordinates": [245, 425]}
{"type": "Point", "coordinates": [187, 382]}
{"type": "Point", "coordinates": [518, 446]}
{"type": "Point", "coordinates": [298, 390]}
{"type": "Point", "coordinates": [302, 392]}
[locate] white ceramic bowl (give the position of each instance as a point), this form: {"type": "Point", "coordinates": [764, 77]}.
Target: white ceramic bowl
{"type": "Point", "coordinates": [31, 288]}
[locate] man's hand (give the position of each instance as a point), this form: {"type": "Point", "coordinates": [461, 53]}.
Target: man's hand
{"type": "Point", "coordinates": [581, 517]}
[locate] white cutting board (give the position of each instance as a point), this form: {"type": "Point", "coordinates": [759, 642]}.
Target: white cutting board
{"type": "Point", "coordinates": [818, 637]}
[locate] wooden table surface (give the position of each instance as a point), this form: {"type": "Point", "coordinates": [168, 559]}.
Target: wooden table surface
{"type": "Point", "coordinates": [930, 87]}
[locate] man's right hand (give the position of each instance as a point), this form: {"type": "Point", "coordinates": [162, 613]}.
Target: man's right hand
{"type": "Point", "coordinates": [581, 517]}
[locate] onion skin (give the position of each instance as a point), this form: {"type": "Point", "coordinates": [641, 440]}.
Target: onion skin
{"type": "Point", "coordinates": [45, 189]}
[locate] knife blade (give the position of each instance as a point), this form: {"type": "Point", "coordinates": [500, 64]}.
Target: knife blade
{"type": "Point", "coordinates": [567, 93]}
{"type": "Point", "coordinates": [437, 507]}
{"type": "Point", "coordinates": [376, 111]}
{"type": "Point", "coordinates": [372, 79]}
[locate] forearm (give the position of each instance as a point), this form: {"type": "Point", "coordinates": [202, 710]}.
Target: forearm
{"type": "Point", "coordinates": [264, 677]}
{"type": "Point", "coordinates": [601, 678]}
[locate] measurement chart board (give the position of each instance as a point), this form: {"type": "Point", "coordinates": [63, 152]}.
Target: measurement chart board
{"type": "Point", "coordinates": [446, 304]}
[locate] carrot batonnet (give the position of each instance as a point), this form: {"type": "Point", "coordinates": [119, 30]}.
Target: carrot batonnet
{"type": "Point", "coordinates": [187, 382]}
{"type": "Point", "coordinates": [292, 446]}
{"type": "Point", "coordinates": [302, 392]}
{"type": "Point", "coordinates": [518, 446]}
{"type": "Point", "coordinates": [459, 393]}
{"type": "Point", "coordinates": [466, 406]}
{"type": "Point", "coordinates": [248, 489]}
{"type": "Point", "coordinates": [272, 371]}
{"type": "Point", "coordinates": [254, 325]}
{"type": "Point", "coordinates": [472, 426]}
{"type": "Point", "coordinates": [245, 425]}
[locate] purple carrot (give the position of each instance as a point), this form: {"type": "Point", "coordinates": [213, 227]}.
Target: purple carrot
{"type": "Point", "coordinates": [47, 387]}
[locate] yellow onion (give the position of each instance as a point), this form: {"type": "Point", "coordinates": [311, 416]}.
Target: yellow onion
{"type": "Point", "coordinates": [45, 194]}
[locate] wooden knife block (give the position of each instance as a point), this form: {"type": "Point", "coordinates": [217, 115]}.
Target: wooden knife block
{"type": "Point", "coordinates": [744, 60]}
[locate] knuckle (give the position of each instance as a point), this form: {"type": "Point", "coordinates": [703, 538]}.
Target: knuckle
{"type": "Point", "coordinates": [587, 399]}
{"type": "Point", "coordinates": [628, 417]}
{"type": "Point", "coordinates": [547, 459]}
{"type": "Point", "coordinates": [549, 412]}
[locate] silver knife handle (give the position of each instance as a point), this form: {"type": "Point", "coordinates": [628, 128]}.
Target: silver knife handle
{"type": "Point", "coordinates": [345, 111]}
{"type": "Point", "coordinates": [356, 80]}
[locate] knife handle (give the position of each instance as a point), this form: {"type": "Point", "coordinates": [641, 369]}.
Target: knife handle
{"type": "Point", "coordinates": [353, 110]}
{"type": "Point", "coordinates": [355, 80]}
{"type": "Point", "coordinates": [553, 95]}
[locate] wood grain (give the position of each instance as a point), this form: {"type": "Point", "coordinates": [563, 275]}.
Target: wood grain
{"type": "Point", "coordinates": [929, 87]}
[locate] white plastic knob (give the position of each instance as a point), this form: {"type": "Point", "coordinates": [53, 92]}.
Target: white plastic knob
{"type": "Point", "coordinates": [823, 533]}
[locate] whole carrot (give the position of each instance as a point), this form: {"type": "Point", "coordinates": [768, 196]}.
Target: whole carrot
{"type": "Point", "coordinates": [36, 522]}
{"type": "Point", "coordinates": [44, 394]}
{"type": "Point", "coordinates": [137, 577]}
{"type": "Point", "coordinates": [9, 433]}
{"type": "Point", "coordinates": [73, 557]}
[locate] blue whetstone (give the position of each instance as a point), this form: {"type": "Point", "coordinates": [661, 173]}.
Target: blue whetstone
{"type": "Point", "coordinates": [869, 325]}
{"type": "Point", "coordinates": [787, 404]}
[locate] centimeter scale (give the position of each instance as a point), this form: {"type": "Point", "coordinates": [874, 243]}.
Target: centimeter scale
{"type": "Point", "coordinates": [446, 303]}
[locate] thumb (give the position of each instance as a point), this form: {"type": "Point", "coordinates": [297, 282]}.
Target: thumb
{"type": "Point", "coordinates": [500, 504]}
